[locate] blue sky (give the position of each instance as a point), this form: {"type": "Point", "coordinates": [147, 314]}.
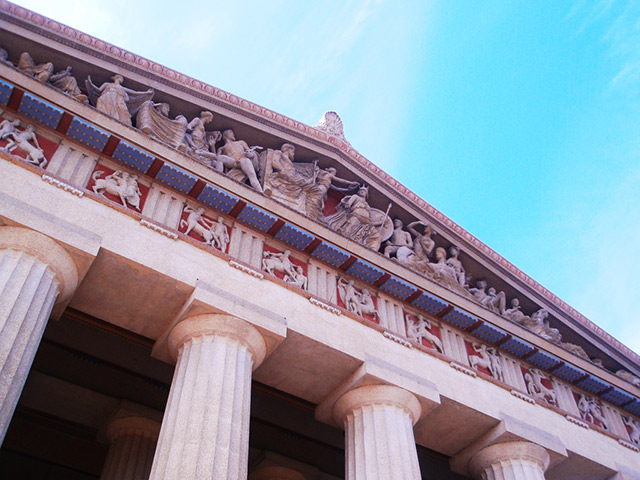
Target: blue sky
{"type": "Point", "coordinates": [518, 120]}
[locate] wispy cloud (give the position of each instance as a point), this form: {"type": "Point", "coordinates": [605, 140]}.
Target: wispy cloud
{"type": "Point", "coordinates": [617, 22]}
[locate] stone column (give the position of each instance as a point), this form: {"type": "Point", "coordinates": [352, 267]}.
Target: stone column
{"type": "Point", "coordinates": [276, 473]}
{"type": "Point", "coordinates": [378, 420]}
{"type": "Point", "coordinates": [35, 272]}
{"type": "Point", "coordinates": [205, 430]}
{"type": "Point", "coordinates": [132, 443]}
{"type": "Point", "coordinates": [510, 461]}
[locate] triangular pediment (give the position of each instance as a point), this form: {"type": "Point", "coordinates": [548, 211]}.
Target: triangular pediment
{"type": "Point", "coordinates": [317, 196]}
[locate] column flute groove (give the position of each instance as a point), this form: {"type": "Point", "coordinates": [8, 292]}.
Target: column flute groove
{"type": "Point", "coordinates": [35, 273]}
{"type": "Point", "coordinates": [205, 430]}
{"type": "Point", "coordinates": [132, 445]}
{"type": "Point", "coordinates": [518, 460]}
{"type": "Point", "coordinates": [378, 421]}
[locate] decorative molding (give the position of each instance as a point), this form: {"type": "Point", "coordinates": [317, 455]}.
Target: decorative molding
{"type": "Point", "coordinates": [159, 229]}
{"type": "Point", "coordinates": [465, 370]}
{"type": "Point", "coordinates": [397, 339]}
{"type": "Point", "coordinates": [64, 186]}
{"type": "Point", "coordinates": [580, 423]}
{"type": "Point", "coordinates": [340, 145]}
{"type": "Point", "coordinates": [245, 269]}
{"type": "Point", "coordinates": [326, 306]}
{"type": "Point", "coordinates": [135, 61]}
{"type": "Point", "coordinates": [523, 396]}
{"type": "Point", "coordinates": [630, 446]}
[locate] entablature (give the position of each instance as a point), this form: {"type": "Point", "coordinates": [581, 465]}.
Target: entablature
{"type": "Point", "coordinates": [277, 227]}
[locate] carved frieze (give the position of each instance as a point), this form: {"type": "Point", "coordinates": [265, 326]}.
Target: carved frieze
{"type": "Point", "coordinates": [119, 186]}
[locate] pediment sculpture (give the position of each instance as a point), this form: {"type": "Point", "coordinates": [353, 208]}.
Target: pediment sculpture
{"type": "Point", "coordinates": [40, 71]}
{"type": "Point", "coordinates": [153, 119]}
{"type": "Point", "coordinates": [119, 102]}
{"type": "Point", "coordinates": [357, 220]}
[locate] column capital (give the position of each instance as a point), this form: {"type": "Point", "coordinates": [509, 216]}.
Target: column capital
{"type": "Point", "coordinates": [133, 426]}
{"type": "Point", "coordinates": [504, 452]}
{"type": "Point", "coordinates": [47, 251]}
{"type": "Point", "coordinates": [377, 395]}
{"type": "Point", "coordinates": [210, 324]}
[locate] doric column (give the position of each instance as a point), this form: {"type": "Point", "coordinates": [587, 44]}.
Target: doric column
{"type": "Point", "coordinates": [132, 443]}
{"type": "Point", "coordinates": [378, 420]}
{"type": "Point", "coordinates": [276, 473]}
{"type": "Point", "coordinates": [205, 430]}
{"type": "Point", "coordinates": [510, 461]}
{"type": "Point", "coordinates": [35, 272]}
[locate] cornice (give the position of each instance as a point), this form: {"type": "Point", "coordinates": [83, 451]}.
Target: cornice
{"type": "Point", "coordinates": [74, 38]}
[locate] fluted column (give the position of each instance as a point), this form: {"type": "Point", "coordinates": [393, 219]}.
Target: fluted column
{"type": "Point", "coordinates": [35, 272]}
{"type": "Point", "coordinates": [378, 420]}
{"type": "Point", "coordinates": [132, 443]}
{"type": "Point", "coordinates": [510, 461]}
{"type": "Point", "coordinates": [205, 430]}
{"type": "Point", "coordinates": [276, 473]}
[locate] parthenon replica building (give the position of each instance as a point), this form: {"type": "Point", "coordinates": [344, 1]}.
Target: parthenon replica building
{"type": "Point", "coordinates": [193, 286]}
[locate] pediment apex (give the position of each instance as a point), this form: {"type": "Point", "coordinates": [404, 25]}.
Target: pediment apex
{"type": "Point", "coordinates": [331, 123]}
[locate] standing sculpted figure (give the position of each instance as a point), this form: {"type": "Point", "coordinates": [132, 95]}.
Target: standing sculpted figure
{"type": "Point", "coordinates": [41, 72]}
{"type": "Point", "coordinates": [355, 219]}
{"type": "Point", "coordinates": [590, 411]}
{"type": "Point", "coordinates": [119, 184]}
{"type": "Point", "coordinates": [454, 262]}
{"type": "Point", "coordinates": [533, 380]}
{"type": "Point", "coordinates": [317, 193]}
{"type": "Point", "coordinates": [634, 434]}
{"type": "Point", "coordinates": [488, 359]}
{"type": "Point", "coordinates": [418, 329]}
{"type": "Point", "coordinates": [21, 140]}
{"type": "Point", "coordinates": [63, 80]}
{"type": "Point", "coordinates": [115, 100]}
{"type": "Point", "coordinates": [239, 157]}
{"type": "Point", "coordinates": [423, 244]}
{"type": "Point", "coordinates": [195, 136]}
{"type": "Point", "coordinates": [399, 238]}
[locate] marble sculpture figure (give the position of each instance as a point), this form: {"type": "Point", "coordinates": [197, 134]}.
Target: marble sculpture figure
{"type": "Point", "coordinates": [115, 100]}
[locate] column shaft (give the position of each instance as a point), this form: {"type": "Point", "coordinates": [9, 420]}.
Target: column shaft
{"type": "Point", "coordinates": [132, 445]}
{"type": "Point", "coordinates": [28, 290]}
{"type": "Point", "coordinates": [205, 430]}
{"type": "Point", "coordinates": [380, 444]}
{"type": "Point", "coordinates": [378, 421]}
{"type": "Point", "coordinates": [510, 461]}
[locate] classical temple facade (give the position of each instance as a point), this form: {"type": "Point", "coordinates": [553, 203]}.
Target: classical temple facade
{"type": "Point", "coordinates": [193, 286]}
